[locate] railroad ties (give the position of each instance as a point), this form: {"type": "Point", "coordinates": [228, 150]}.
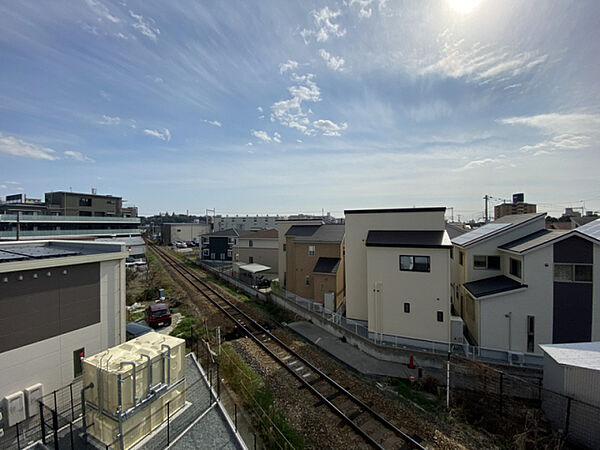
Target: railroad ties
{"type": "Point", "coordinates": [353, 413]}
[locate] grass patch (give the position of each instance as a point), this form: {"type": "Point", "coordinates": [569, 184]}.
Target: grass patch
{"type": "Point", "coordinates": [271, 423]}
{"type": "Point", "coordinates": [273, 310]}
{"type": "Point", "coordinates": [411, 392]}
{"type": "Point", "coordinates": [136, 316]}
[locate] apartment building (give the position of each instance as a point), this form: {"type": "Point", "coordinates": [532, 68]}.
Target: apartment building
{"type": "Point", "coordinates": [398, 271]}
{"type": "Point", "coordinates": [60, 300]}
{"type": "Point", "coordinates": [517, 285]}
{"type": "Point", "coordinates": [79, 204]}
{"type": "Point", "coordinates": [518, 206]}
{"type": "Point", "coordinates": [315, 263]}
{"type": "Point", "coordinates": [258, 247]}
{"type": "Point", "coordinates": [245, 223]}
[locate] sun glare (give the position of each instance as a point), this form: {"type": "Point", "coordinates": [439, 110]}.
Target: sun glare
{"type": "Point", "coordinates": [464, 6]}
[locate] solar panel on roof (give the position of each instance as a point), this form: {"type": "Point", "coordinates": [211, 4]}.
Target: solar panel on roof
{"type": "Point", "coordinates": [6, 256]}
{"type": "Point", "coordinates": [591, 229]}
{"type": "Point", "coordinates": [478, 233]}
{"type": "Point", "coordinates": [40, 252]}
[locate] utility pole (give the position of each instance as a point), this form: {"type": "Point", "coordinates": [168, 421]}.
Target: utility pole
{"type": "Point", "coordinates": [18, 225]}
{"type": "Point", "coordinates": [486, 198]}
{"type": "Point", "coordinates": [452, 214]}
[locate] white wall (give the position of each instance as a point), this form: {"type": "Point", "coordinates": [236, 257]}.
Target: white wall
{"type": "Point", "coordinates": [427, 293]}
{"type": "Point", "coordinates": [258, 243]}
{"type": "Point", "coordinates": [357, 228]}
{"type": "Point", "coordinates": [596, 293]}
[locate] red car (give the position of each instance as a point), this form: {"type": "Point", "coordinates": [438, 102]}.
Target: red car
{"type": "Point", "coordinates": [158, 315]}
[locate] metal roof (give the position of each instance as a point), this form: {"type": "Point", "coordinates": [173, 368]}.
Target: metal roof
{"type": "Point", "coordinates": [533, 240]}
{"type": "Point", "coordinates": [408, 238]}
{"type": "Point", "coordinates": [302, 230]}
{"type": "Point", "coordinates": [579, 354]}
{"type": "Point", "coordinates": [39, 251]}
{"type": "Point", "coordinates": [324, 233]}
{"type": "Point", "coordinates": [393, 210]}
{"type": "Point", "coordinates": [327, 265]}
{"type": "Point", "coordinates": [493, 285]}
{"type": "Point", "coordinates": [491, 229]}
{"type": "Point", "coordinates": [261, 234]}
{"type": "Point", "coordinates": [591, 229]}
{"type": "Point", "coordinates": [254, 268]}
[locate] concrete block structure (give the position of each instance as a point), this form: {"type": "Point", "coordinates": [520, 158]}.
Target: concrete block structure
{"type": "Point", "coordinates": [398, 271]}
{"type": "Point", "coordinates": [59, 300]}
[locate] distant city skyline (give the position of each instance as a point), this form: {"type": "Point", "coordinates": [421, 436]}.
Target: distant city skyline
{"type": "Point", "coordinates": [299, 107]}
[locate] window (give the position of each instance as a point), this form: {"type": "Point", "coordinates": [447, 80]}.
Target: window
{"type": "Point", "coordinates": [486, 262]}
{"type": "Point", "coordinates": [85, 201]}
{"type": "Point", "coordinates": [407, 307]}
{"type": "Point", "coordinates": [229, 253]}
{"type": "Point", "coordinates": [414, 263]}
{"type": "Point", "coordinates": [78, 355]}
{"type": "Point", "coordinates": [573, 272]}
{"type": "Point", "coordinates": [231, 240]}
{"type": "Point", "coordinates": [222, 256]}
{"type": "Point", "coordinates": [251, 259]}
{"type": "Point", "coordinates": [205, 252]}
{"type": "Point", "coordinates": [311, 250]}
{"type": "Point", "coordinates": [212, 256]}
{"type": "Point", "coordinates": [461, 258]}
{"type": "Point", "coordinates": [515, 267]}
{"type": "Point", "coordinates": [440, 316]}
{"type": "Point", "coordinates": [250, 243]}
{"type": "Point", "coordinates": [284, 247]}
{"type": "Point", "coordinates": [308, 280]}
{"type": "Point", "coordinates": [530, 333]}
{"type": "Point", "coordinates": [451, 253]}
{"type": "Point", "coordinates": [179, 230]}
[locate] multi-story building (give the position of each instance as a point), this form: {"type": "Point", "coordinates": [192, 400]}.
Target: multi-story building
{"type": "Point", "coordinates": [315, 263]}
{"type": "Point", "coordinates": [257, 247]}
{"type": "Point", "coordinates": [283, 225]}
{"type": "Point", "coordinates": [245, 223]}
{"type": "Point", "coordinates": [517, 285]}
{"type": "Point", "coordinates": [78, 204]}
{"type": "Point", "coordinates": [518, 206]}
{"type": "Point", "coordinates": [218, 246]}
{"type": "Point", "coordinates": [60, 300]}
{"type": "Point", "coordinates": [398, 272]}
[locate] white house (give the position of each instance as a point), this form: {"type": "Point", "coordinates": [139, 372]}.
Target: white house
{"type": "Point", "coordinates": [60, 300]}
{"type": "Point", "coordinates": [398, 271]}
{"type": "Point", "coordinates": [517, 285]}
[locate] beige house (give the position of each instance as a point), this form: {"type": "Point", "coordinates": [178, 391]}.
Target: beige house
{"type": "Point", "coordinates": [315, 263]}
{"type": "Point", "coordinates": [283, 226]}
{"type": "Point", "coordinates": [398, 272]}
{"type": "Point", "coordinates": [257, 247]}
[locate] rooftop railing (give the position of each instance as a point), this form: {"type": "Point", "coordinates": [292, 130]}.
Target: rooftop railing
{"type": "Point", "coordinates": [28, 218]}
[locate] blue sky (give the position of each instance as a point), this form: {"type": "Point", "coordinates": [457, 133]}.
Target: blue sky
{"type": "Point", "coordinates": [284, 107]}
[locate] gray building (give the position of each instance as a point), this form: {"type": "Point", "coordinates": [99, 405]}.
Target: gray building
{"type": "Point", "coordinates": [245, 223]}
{"type": "Point", "coordinates": [184, 232]}
{"type": "Point", "coordinates": [79, 204]}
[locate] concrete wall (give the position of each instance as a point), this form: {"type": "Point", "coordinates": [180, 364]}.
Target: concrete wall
{"type": "Point", "coordinates": [183, 232]}
{"type": "Point", "coordinates": [50, 361]}
{"type": "Point", "coordinates": [427, 292]}
{"type": "Point", "coordinates": [357, 228]}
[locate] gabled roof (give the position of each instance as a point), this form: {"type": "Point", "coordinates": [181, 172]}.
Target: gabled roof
{"type": "Point", "coordinates": [324, 233]}
{"type": "Point", "coordinates": [591, 230]}
{"type": "Point", "coordinates": [327, 265]}
{"type": "Point", "coordinates": [492, 285]}
{"type": "Point", "coordinates": [261, 234]}
{"type": "Point", "coordinates": [408, 238]}
{"type": "Point", "coordinates": [533, 240]}
{"type": "Point", "coordinates": [487, 231]}
{"type": "Point", "coordinates": [578, 354]}
{"type": "Point", "coordinates": [302, 230]}
{"type": "Point", "coordinates": [580, 221]}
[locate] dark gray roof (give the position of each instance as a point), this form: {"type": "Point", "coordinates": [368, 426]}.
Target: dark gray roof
{"type": "Point", "coordinates": [327, 265]}
{"type": "Point", "coordinates": [302, 230]}
{"type": "Point", "coordinates": [393, 210]}
{"type": "Point", "coordinates": [408, 238]}
{"type": "Point", "coordinates": [324, 233]}
{"type": "Point", "coordinates": [455, 229]}
{"type": "Point", "coordinates": [580, 221]}
{"type": "Point", "coordinates": [533, 240]}
{"type": "Point", "coordinates": [225, 233]}
{"type": "Point", "coordinates": [22, 251]}
{"type": "Point", "coordinates": [486, 231]}
{"type": "Point", "coordinates": [493, 285]}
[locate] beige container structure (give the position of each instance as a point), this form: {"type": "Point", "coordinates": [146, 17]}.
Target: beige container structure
{"type": "Point", "coordinates": [132, 385]}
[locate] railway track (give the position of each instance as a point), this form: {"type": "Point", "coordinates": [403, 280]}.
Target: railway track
{"type": "Point", "coordinates": [358, 416]}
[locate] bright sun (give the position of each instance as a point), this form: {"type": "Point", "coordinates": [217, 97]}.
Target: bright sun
{"type": "Point", "coordinates": [464, 6]}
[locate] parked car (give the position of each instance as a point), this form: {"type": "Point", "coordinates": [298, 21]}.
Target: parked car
{"type": "Point", "coordinates": [158, 315]}
{"type": "Point", "coordinates": [134, 329]}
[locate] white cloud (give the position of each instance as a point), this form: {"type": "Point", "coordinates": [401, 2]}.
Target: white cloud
{"type": "Point", "coordinates": [77, 156]}
{"type": "Point", "coordinates": [102, 11]}
{"type": "Point", "coordinates": [481, 63]}
{"type": "Point", "coordinates": [329, 128]}
{"type": "Point", "coordinates": [262, 135]}
{"type": "Point", "coordinates": [3, 186]}
{"type": "Point", "coordinates": [277, 137]}
{"type": "Point", "coordinates": [299, 141]}
{"type": "Point", "coordinates": [215, 123]}
{"type": "Point", "coordinates": [260, 109]}
{"type": "Point", "coordinates": [290, 112]}
{"type": "Point", "coordinates": [17, 147]}
{"type": "Point", "coordinates": [165, 134]}
{"type": "Point", "coordinates": [324, 26]}
{"type": "Point", "coordinates": [363, 7]}
{"type": "Point", "coordinates": [108, 120]}
{"type": "Point", "coordinates": [144, 26]}
{"type": "Point", "coordinates": [12, 182]}
{"type": "Point", "coordinates": [333, 62]}
{"type": "Point", "coordinates": [105, 95]}
{"type": "Point", "coordinates": [564, 131]}
{"type": "Point", "coordinates": [284, 67]}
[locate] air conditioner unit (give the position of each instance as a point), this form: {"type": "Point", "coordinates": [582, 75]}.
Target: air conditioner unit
{"type": "Point", "coordinates": [14, 407]}
{"type": "Point", "coordinates": [33, 394]}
